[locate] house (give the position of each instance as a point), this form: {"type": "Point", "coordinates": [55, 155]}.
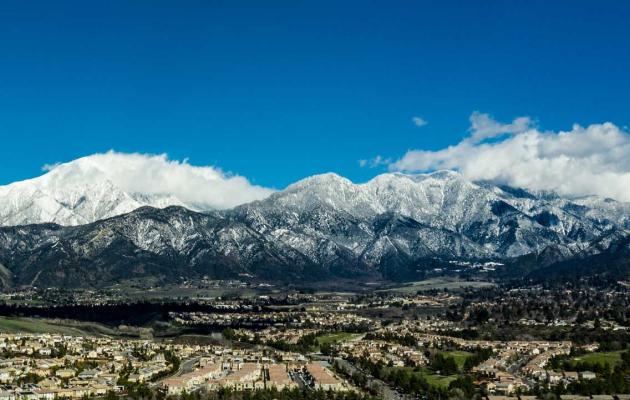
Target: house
{"type": "Point", "coordinates": [45, 394]}
{"type": "Point", "coordinates": [279, 378]}
{"type": "Point", "coordinates": [553, 377]}
{"type": "Point", "coordinates": [7, 395]}
{"type": "Point", "coordinates": [504, 387]}
{"type": "Point", "coordinates": [191, 381]}
{"type": "Point", "coordinates": [89, 374]}
{"type": "Point", "coordinates": [587, 375]}
{"type": "Point", "coordinates": [571, 376]}
{"type": "Point", "coordinates": [323, 378]}
{"type": "Point", "coordinates": [6, 375]}
{"type": "Point", "coordinates": [45, 351]}
{"type": "Point", "coordinates": [65, 373]}
{"type": "Point", "coordinates": [135, 378]}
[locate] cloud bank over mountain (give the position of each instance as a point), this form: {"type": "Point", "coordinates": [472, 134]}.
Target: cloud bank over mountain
{"type": "Point", "coordinates": [207, 187]}
{"type": "Point", "coordinates": [593, 160]}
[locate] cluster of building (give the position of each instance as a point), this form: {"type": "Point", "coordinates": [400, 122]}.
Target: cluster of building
{"type": "Point", "coordinates": [241, 376]}
{"type": "Point", "coordinates": [537, 356]}
{"type": "Point", "coordinates": [440, 299]}
{"type": "Point", "coordinates": [513, 364]}
{"type": "Point", "coordinates": [392, 354]}
{"type": "Point", "coordinates": [418, 327]}
{"type": "Point", "coordinates": [48, 366]}
{"type": "Point", "coordinates": [286, 319]}
{"type": "Point", "coordinates": [563, 397]}
{"type": "Point", "coordinates": [276, 334]}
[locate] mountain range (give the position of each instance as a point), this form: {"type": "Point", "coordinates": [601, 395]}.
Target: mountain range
{"type": "Point", "coordinates": [90, 233]}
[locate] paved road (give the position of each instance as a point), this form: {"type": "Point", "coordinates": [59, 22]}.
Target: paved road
{"type": "Point", "coordinates": [186, 366]}
{"type": "Point", "coordinates": [384, 390]}
{"type": "Point", "coordinates": [299, 379]}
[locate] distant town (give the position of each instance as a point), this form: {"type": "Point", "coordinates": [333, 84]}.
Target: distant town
{"type": "Point", "coordinates": [436, 339]}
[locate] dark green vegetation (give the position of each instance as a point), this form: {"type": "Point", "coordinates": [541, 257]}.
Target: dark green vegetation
{"type": "Point", "coordinates": [136, 319]}
{"type": "Point", "coordinates": [424, 382]}
{"type": "Point", "coordinates": [610, 359]}
{"type": "Point", "coordinates": [613, 370]}
{"type": "Point", "coordinates": [144, 392]}
{"type": "Point", "coordinates": [583, 312]}
{"type": "Point", "coordinates": [600, 362]}
{"type": "Point", "coordinates": [295, 394]}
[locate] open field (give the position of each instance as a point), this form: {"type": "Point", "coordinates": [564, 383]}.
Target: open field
{"type": "Point", "coordinates": [173, 292]}
{"type": "Point", "coordinates": [31, 325]}
{"type": "Point", "coordinates": [452, 284]}
{"type": "Point", "coordinates": [336, 337]}
{"type": "Point", "coordinates": [65, 327]}
{"type": "Point", "coordinates": [612, 358]}
{"type": "Point", "coordinates": [438, 380]}
{"type": "Point", "coordinates": [431, 377]}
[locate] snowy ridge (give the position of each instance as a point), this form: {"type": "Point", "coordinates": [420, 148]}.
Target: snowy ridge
{"type": "Point", "coordinates": [75, 193]}
{"type": "Point", "coordinates": [392, 225]}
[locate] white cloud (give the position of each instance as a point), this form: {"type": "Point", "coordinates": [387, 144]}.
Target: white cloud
{"type": "Point", "coordinates": [206, 187]}
{"type": "Point", "coordinates": [375, 162]}
{"type": "Point", "coordinates": [581, 161]}
{"type": "Point", "coordinates": [483, 126]}
{"type": "Point", "coordinates": [419, 121]}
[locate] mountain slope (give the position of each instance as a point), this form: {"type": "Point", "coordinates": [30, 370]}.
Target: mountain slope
{"type": "Point", "coordinates": [505, 222]}
{"type": "Point", "coordinates": [608, 256]}
{"type": "Point", "coordinates": [325, 226]}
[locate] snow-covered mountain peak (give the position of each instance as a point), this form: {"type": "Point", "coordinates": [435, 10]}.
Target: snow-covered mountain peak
{"type": "Point", "coordinates": [319, 181]}
{"type": "Point", "coordinates": [394, 222]}
{"type": "Point", "coordinates": [415, 196]}
{"type": "Point", "coordinates": [108, 184]}
{"type": "Point", "coordinates": [73, 193]}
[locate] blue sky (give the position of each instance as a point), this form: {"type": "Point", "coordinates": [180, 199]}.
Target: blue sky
{"type": "Point", "coordinates": [279, 90]}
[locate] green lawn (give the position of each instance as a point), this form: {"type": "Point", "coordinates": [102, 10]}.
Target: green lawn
{"type": "Point", "coordinates": [431, 377]}
{"type": "Point", "coordinates": [612, 358]}
{"type": "Point", "coordinates": [459, 356]}
{"type": "Point", "coordinates": [336, 337]}
{"type": "Point", "coordinates": [438, 380]}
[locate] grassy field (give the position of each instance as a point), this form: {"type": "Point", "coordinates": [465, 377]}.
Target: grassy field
{"type": "Point", "coordinates": [459, 356]}
{"type": "Point", "coordinates": [612, 358]}
{"type": "Point", "coordinates": [432, 378]}
{"type": "Point", "coordinates": [452, 284]}
{"type": "Point", "coordinates": [336, 337]}
{"type": "Point", "coordinates": [190, 293]}
{"type": "Point", "coordinates": [29, 325]}
{"type": "Point", "coordinates": [63, 326]}
{"type": "Point", "coordinates": [438, 380]}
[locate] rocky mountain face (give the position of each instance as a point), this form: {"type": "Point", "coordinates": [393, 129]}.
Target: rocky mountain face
{"type": "Point", "coordinates": [324, 226]}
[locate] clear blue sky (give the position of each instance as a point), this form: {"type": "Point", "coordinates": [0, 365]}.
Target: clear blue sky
{"type": "Point", "coordinates": [278, 90]}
